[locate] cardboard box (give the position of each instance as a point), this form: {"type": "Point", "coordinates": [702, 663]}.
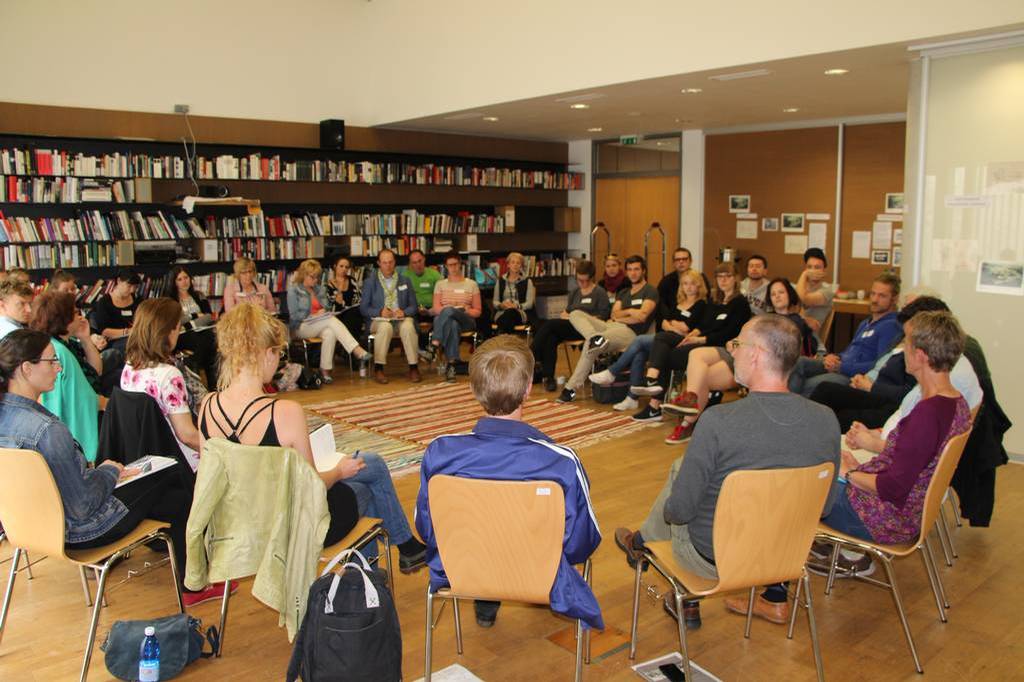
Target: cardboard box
{"type": "Point", "coordinates": [567, 219]}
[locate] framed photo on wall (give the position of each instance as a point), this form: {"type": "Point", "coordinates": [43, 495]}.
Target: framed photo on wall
{"type": "Point", "coordinates": [770, 224]}
{"type": "Point", "coordinates": [739, 203]}
{"type": "Point", "coordinates": [880, 257]}
{"type": "Point", "coordinates": [792, 222]}
{"type": "Point", "coordinates": [894, 202]}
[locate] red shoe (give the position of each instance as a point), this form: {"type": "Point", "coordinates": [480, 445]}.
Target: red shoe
{"type": "Point", "coordinates": [681, 433]}
{"type": "Point", "coordinates": [269, 388]}
{"type": "Point", "coordinates": [211, 593]}
{"type": "Point", "coordinates": [683, 404]}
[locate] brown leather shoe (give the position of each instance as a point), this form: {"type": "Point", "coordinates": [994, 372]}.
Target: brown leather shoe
{"type": "Point", "coordinates": [624, 539]}
{"type": "Point", "coordinates": [772, 612]}
{"type": "Point", "coordinates": [414, 375]}
{"type": "Point", "coordinates": [379, 376]}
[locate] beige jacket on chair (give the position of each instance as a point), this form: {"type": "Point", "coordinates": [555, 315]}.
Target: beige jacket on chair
{"type": "Point", "coordinates": [257, 510]}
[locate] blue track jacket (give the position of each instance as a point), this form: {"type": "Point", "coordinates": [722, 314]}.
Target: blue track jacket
{"type": "Point", "coordinates": [503, 449]}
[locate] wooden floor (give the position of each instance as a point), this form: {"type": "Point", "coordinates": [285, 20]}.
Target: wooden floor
{"type": "Point", "coordinates": [859, 631]}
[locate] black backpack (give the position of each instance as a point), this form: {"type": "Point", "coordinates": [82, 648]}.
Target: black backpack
{"type": "Point", "coordinates": [351, 630]}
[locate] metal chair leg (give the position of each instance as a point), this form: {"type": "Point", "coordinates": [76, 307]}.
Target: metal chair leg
{"type": "Point", "coordinates": [949, 536]}
{"type": "Point", "coordinates": [796, 605]}
{"type": "Point", "coordinates": [458, 625]}
{"type": "Point", "coordinates": [833, 562]}
{"type": "Point", "coordinates": [588, 576]}
{"type": "Point", "coordinates": [682, 633]}
{"type": "Point", "coordinates": [428, 646]}
{"type": "Point", "coordinates": [96, 572]}
{"type": "Point", "coordinates": [956, 509]}
{"type": "Point", "coordinates": [578, 675]}
{"type": "Point", "coordinates": [28, 566]}
{"type": "Point", "coordinates": [223, 615]}
{"type": "Point", "coordinates": [815, 646]}
{"type": "Point", "coordinates": [91, 641]}
{"type": "Point", "coordinates": [750, 612]}
{"type": "Point", "coordinates": [387, 560]}
{"type": "Point", "coordinates": [9, 591]}
{"type": "Point", "coordinates": [931, 583]}
{"type": "Point", "coordinates": [940, 591]}
{"type": "Point", "coordinates": [943, 542]}
{"type": "Point", "coordinates": [891, 577]}
{"type": "Point", "coordinates": [85, 585]}
{"type": "Point", "coordinates": [174, 570]}
{"type": "Point", "coordinates": [636, 610]}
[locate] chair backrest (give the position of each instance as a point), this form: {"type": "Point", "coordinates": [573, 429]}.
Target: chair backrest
{"type": "Point", "coordinates": [765, 521]}
{"type": "Point", "coordinates": [826, 328]}
{"type": "Point", "coordinates": [941, 478]}
{"type": "Point", "coordinates": [498, 539]}
{"type": "Point", "coordinates": [30, 503]}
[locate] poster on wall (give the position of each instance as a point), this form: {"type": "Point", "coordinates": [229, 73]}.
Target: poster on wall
{"type": "Point", "coordinates": [792, 222]}
{"type": "Point", "coordinates": [897, 236]}
{"type": "Point", "coordinates": [817, 234]}
{"type": "Point", "coordinates": [795, 243]}
{"type": "Point", "coordinates": [746, 229]}
{"type": "Point", "coordinates": [879, 257]}
{"type": "Point", "coordinates": [861, 244]}
{"type": "Point", "coordinates": [770, 224]}
{"type": "Point", "coordinates": [894, 202]}
{"type": "Point", "coordinates": [897, 256]}
{"type": "Point", "coordinates": [739, 203]}
{"type": "Point", "coordinates": [881, 235]}
{"type": "Point", "coordinates": [1001, 277]}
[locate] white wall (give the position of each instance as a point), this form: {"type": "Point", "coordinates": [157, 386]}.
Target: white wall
{"type": "Point", "coordinates": [691, 196]}
{"type": "Point", "coordinates": [975, 106]}
{"type": "Point", "coordinates": [581, 159]}
{"type": "Point", "coordinates": [390, 60]}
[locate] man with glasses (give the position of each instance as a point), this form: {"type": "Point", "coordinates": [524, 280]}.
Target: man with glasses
{"type": "Point", "coordinates": [15, 305]}
{"type": "Point", "coordinates": [770, 429]}
{"type": "Point", "coordinates": [389, 304]}
{"type": "Point", "coordinates": [456, 307]}
{"type": "Point", "coordinates": [682, 260]}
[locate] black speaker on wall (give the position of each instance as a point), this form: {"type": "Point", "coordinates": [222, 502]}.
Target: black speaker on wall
{"type": "Point", "coordinates": [332, 134]}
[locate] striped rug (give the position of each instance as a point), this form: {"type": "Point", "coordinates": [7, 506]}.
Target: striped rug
{"type": "Point", "coordinates": [402, 457]}
{"type": "Point", "coordinates": [421, 414]}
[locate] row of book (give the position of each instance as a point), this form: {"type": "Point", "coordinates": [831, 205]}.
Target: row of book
{"type": "Point", "coordinates": [411, 221]}
{"type": "Point", "coordinates": [55, 162]}
{"type": "Point", "coordinates": [268, 249]}
{"type": "Point", "coordinates": [99, 226]}
{"type": "Point", "coordinates": [50, 256]}
{"type": "Point", "coordinates": [213, 284]}
{"type": "Point", "coordinates": [64, 190]}
{"type": "Point", "coordinates": [542, 265]}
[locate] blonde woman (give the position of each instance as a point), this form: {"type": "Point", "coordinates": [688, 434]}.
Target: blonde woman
{"type": "Point", "coordinates": [250, 344]}
{"type": "Point", "coordinates": [514, 296]}
{"type": "Point", "coordinates": [614, 275]}
{"type": "Point", "coordinates": [243, 287]}
{"type": "Point", "coordinates": [309, 316]}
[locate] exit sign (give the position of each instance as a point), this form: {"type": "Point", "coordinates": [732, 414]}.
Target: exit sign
{"type": "Point", "coordinates": [628, 139]}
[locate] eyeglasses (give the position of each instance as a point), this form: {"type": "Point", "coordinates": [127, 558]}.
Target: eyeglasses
{"type": "Point", "coordinates": [52, 361]}
{"type": "Point", "coordinates": [733, 345]}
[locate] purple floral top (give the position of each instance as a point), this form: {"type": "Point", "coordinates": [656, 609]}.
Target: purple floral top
{"type": "Point", "coordinates": [166, 386]}
{"type": "Point", "coordinates": [905, 467]}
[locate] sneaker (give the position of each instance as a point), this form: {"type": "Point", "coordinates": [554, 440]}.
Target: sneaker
{"type": "Point", "coordinates": [596, 342]}
{"type": "Point", "coordinates": [328, 379]}
{"type": "Point", "coordinates": [429, 353]}
{"type": "Point", "coordinates": [648, 414]}
{"type": "Point", "coordinates": [449, 373]}
{"type": "Point", "coordinates": [211, 593]}
{"type": "Point", "coordinates": [650, 387]}
{"type": "Point", "coordinates": [626, 404]}
{"type": "Point", "coordinates": [822, 551]}
{"type": "Point", "coordinates": [683, 404]}
{"type": "Point", "coordinates": [550, 385]}
{"type": "Point", "coordinates": [850, 564]}
{"type": "Point", "coordinates": [682, 433]}
{"type": "Point", "coordinates": [602, 378]}
{"type": "Point", "coordinates": [773, 612]}
{"type": "Point", "coordinates": [567, 396]}
{"type": "Point", "coordinates": [412, 563]}
{"type": "Point", "coordinates": [691, 611]}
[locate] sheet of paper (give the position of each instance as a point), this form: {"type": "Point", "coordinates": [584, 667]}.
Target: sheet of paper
{"type": "Point", "coordinates": [889, 218]}
{"type": "Point", "coordinates": [819, 216]}
{"type": "Point", "coordinates": [881, 235]}
{"type": "Point", "coordinates": [325, 451]}
{"type": "Point", "coordinates": [746, 229]}
{"type": "Point", "coordinates": [150, 464]}
{"type": "Point", "coordinates": [796, 243]}
{"type": "Point", "coordinates": [746, 216]}
{"type": "Point", "coordinates": [897, 236]}
{"type": "Point", "coordinates": [861, 244]}
{"type": "Point", "coordinates": [967, 201]}
{"type": "Point", "coordinates": [817, 234]}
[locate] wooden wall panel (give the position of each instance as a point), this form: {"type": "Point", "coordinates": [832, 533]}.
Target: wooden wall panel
{"type": "Point", "coordinates": [872, 166]}
{"type": "Point", "coordinates": [32, 119]}
{"type": "Point", "coordinates": [791, 171]}
{"type": "Point", "coordinates": [628, 206]}
{"type": "Point", "coordinates": [610, 209]}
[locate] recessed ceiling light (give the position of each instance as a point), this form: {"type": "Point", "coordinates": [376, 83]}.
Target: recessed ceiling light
{"type": "Point", "coordinates": [594, 130]}
{"type": "Point", "coordinates": [579, 105]}
{"type": "Point", "coordinates": [836, 72]}
{"type": "Point", "coordinates": [791, 110]}
{"type": "Point", "coordinates": [660, 144]}
{"type": "Point", "coordinates": [739, 75]}
{"type": "Point", "coordinates": [691, 91]}
{"type": "Point", "coordinates": [491, 119]}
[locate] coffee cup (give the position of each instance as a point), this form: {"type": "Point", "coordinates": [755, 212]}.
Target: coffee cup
{"type": "Point", "coordinates": [861, 294]}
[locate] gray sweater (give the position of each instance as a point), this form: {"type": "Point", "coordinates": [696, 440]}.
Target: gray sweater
{"type": "Point", "coordinates": [761, 431]}
{"type": "Point", "coordinates": [595, 303]}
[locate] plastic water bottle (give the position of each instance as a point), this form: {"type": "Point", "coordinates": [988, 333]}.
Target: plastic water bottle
{"type": "Point", "coordinates": [149, 657]}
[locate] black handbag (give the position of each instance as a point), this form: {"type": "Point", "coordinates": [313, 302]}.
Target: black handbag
{"type": "Point", "coordinates": [310, 380]}
{"type": "Point", "coordinates": [351, 630]}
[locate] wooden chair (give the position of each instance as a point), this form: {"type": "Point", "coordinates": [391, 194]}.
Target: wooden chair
{"type": "Point", "coordinates": [764, 525]}
{"type": "Point", "coordinates": [941, 527]}
{"type": "Point", "coordinates": [33, 515]}
{"type": "Point", "coordinates": [499, 540]}
{"type": "Point", "coordinates": [573, 345]}
{"type": "Point", "coordinates": [826, 329]}
{"type": "Point", "coordinates": [884, 554]}
{"type": "Point", "coordinates": [524, 329]}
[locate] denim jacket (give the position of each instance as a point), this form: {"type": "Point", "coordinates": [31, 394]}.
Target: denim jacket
{"type": "Point", "coordinates": [300, 303]}
{"type": "Point", "coordinates": [90, 509]}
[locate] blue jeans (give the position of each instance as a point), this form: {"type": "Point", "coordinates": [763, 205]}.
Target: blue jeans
{"type": "Point", "coordinates": [448, 325]}
{"type": "Point", "coordinates": [376, 497]}
{"type": "Point", "coordinates": [844, 518]}
{"type": "Point", "coordinates": [634, 357]}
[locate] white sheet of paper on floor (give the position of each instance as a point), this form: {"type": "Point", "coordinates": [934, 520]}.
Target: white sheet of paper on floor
{"type": "Point", "coordinates": [648, 670]}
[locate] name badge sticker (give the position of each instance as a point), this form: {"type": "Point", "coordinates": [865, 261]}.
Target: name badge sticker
{"type": "Point", "coordinates": [637, 301]}
{"type": "Point", "coordinates": [868, 333]}
{"type": "Point", "coordinates": [424, 285]}
{"type": "Point", "coordinates": [684, 313]}
{"type": "Point", "coordinates": [402, 287]}
{"type": "Point", "coordinates": [588, 299]}
{"type": "Point", "coordinates": [126, 313]}
{"type": "Point", "coordinates": [722, 316]}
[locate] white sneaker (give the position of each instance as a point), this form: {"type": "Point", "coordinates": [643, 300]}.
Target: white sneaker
{"type": "Point", "coordinates": [602, 378]}
{"type": "Point", "coordinates": [626, 404]}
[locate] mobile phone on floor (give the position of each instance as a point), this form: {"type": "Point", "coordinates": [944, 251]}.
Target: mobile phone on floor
{"type": "Point", "coordinates": [672, 672]}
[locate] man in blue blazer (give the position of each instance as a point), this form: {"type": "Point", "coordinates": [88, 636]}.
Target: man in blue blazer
{"type": "Point", "coordinates": [389, 303]}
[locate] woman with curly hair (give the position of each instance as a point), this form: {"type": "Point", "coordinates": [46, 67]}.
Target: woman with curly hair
{"type": "Point", "coordinates": [149, 368]}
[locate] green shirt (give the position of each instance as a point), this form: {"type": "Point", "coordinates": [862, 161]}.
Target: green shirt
{"type": "Point", "coordinates": [423, 285]}
{"type": "Point", "coordinates": [74, 402]}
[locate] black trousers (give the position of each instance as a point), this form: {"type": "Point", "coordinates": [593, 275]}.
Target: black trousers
{"type": "Point", "coordinates": [666, 356]}
{"type": "Point", "coordinates": [344, 511]}
{"type": "Point", "coordinates": [158, 496]}
{"type": "Point", "coordinates": [546, 340]}
{"type": "Point", "coordinates": [852, 404]}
